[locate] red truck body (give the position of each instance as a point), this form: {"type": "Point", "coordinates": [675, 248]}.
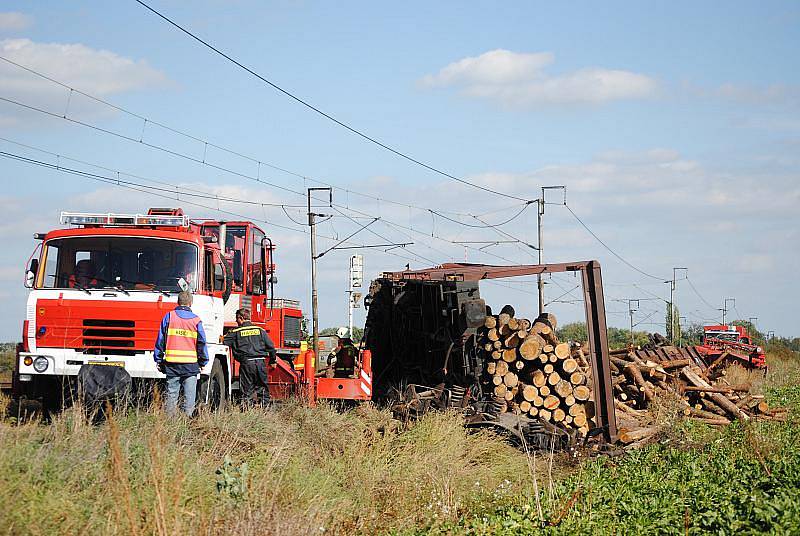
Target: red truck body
{"type": "Point", "coordinates": [735, 342]}
{"type": "Point", "coordinates": [100, 288]}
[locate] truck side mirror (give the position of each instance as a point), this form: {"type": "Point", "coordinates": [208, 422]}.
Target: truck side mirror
{"type": "Point", "coordinates": [30, 275]}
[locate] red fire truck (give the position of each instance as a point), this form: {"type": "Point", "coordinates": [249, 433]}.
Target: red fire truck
{"type": "Point", "coordinates": [100, 287]}
{"type": "Point", "coordinates": [733, 341]}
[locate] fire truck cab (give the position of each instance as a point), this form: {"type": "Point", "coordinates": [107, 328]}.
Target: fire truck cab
{"type": "Point", "coordinates": [731, 333]}
{"type": "Point", "coordinates": [100, 287]}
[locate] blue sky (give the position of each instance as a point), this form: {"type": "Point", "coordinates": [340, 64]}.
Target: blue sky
{"type": "Point", "coordinates": [675, 127]}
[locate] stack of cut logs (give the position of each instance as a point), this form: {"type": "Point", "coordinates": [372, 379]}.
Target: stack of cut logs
{"type": "Point", "coordinates": [530, 372]}
{"type": "Point", "coordinates": [702, 392]}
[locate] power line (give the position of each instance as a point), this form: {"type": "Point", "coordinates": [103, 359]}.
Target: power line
{"type": "Point", "coordinates": [172, 188]}
{"type": "Point", "coordinates": [149, 121]}
{"type": "Point", "coordinates": [118, 182]}
{"type": "Point", "coordinates": [485, 225]}
{"type": "Point", "coordinates": [149, 190]}
{"type": "Point", "coordinates": [608, 248]}
{"type": "Point", "coordinates": [691, 285]}
{"type": "Point", "coordinates": [325, 114]}
{"type": "Point", "coordinates": [175, 190]}
{"type": "Point", "coordinates": [205, 162]}
{"type": "Point", "coordinates": [151, 145]}
{"type": "Point", "coordinates": [564, 294]}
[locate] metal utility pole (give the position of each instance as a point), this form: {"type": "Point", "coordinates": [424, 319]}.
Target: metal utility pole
{"type": "Point", "coordinates": [539, 282]}
{"type": "Point", "coordinates": [725, 307]}
{"type": "Point", "coordinates": [770, 335]}
{"type": "Point", "coordinates": [631, 310]}
{"type": "Point", "coordinates": [680, 330]}
{"type": "Point", "coordinates": [752, 321]}
{"type": "Point", "coordinates": [356, 280]}
{"type": "Point", "coordinates": [672, 304]}
{"type": "Point", "coordinates": [313, 227]}
{"type": "Point", "coordinates": [541, 202]}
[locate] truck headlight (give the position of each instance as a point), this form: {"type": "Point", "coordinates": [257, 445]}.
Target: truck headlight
{"type": "Point", "coordinates": [760, 350]}
{"type": "Point", "coordinates": [40, 364]}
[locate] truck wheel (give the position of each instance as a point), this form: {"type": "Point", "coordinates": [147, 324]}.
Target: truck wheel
{"type": "Point", "coordinates": [213, 388]}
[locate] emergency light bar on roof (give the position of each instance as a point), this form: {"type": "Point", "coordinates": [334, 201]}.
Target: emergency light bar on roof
{"type": "Point", "coordinates": [87, 218]}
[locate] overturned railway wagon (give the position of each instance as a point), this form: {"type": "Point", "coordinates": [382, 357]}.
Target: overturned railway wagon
{"type": "Point", "coordinates": [423, 332]}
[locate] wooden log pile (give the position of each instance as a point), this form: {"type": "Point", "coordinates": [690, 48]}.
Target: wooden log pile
{"type": "Point", "coordinates": [641, 376]}
{"type": "Point", "coordinates": [529, 372]}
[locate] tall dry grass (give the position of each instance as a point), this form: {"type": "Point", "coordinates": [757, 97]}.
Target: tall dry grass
{"type": "Point", "coordinates": [783, 370]}
{"type": "Point", "coordinates": [308, 471]}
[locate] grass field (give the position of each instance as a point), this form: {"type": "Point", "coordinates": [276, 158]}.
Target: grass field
{"type": "Point", "coordinates": [295, 470]}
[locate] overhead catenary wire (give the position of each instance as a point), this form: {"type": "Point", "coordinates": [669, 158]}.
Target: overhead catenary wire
{"type": "Point", "coordinates": [691, 285]}
{"type": "Point", "coordinates": [176, 190]}
{"type": "Point", "coordinates": [485, 225]}
{"type": "Point", "coordinates": [146, 120]}
{"type": "Point", "coordinates": [172, 189]}
{"type": "Point", "coordinates": [204, 161]}
{"type": "Point", "coordinates": [617, 255]}
{"type": "Point", "coordinates": [159, 193]}
{"type": "Point", "coordinates": [222, 168]}
{"type": "Point", "coordinates": [206, 143]}
{"type": "Point", "coordinates": [324, 114]}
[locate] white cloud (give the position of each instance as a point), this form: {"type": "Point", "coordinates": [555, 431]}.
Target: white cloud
{"type": "Point", "coordinates": [493, 67]}
{"type": "Point", "coordinates": [97, 72]}
{"type": "Point", "coordinates": [519, 80]}
{"type": "Point", "coordinates": [14, 21]}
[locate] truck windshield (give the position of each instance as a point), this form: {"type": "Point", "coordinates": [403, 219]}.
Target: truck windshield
{"type": "Point", "coordinates": [722, 335]}
{"type": "Point", "coordinates": [126, 262]}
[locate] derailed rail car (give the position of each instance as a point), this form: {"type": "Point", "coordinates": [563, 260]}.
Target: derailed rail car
{"type": "Point", "coordinates": [421, 331]}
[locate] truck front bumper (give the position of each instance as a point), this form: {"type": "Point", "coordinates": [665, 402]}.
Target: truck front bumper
{"type": "Point", "coordinates": [67, 362]}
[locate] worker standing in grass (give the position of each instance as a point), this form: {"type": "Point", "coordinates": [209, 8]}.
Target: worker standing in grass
{"type": "Point", "coordinates": [180, 353]}
{"type": "Point", "coordinates": [251, 347]}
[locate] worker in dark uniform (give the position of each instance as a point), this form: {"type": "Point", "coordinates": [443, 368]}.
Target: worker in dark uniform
{"type": "Point", "coordinates": [251, 347]}
{"type": "Point", "coordinates": [345, 355]}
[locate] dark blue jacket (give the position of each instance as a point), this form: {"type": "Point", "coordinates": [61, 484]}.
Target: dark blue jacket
{"type": "Point", "coordinates": [181, 369]}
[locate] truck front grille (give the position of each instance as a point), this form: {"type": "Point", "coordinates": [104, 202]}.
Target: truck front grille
{"type": "Point", "coordinates": [115, 337]}
{"type": "Point", "coordinates": [291, 331]}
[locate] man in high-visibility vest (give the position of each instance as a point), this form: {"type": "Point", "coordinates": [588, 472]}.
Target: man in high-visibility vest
{"type": "Point", "coordinates": [251, 347]}
{"type": "Point", "coordinates": [180, 353]}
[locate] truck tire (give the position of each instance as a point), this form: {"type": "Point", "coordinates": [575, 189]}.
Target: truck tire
{"type": "Point", "coordinates": [213, 388]}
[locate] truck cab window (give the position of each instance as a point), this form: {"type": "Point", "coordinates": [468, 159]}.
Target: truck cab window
{"type": "Point", "coordinates": [255, 266]}
{"type": "Point", "coordinates": [50, 277]}
{"type": "Point", "coordinates": [219, 277]}
{"type": "Point", "coordinates": [235, 247]}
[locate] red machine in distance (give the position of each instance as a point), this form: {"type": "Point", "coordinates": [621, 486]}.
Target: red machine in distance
{"type": "Point", "coordinates": [735, 342]}
{"type": "Point", "coordinates": [100, 288]}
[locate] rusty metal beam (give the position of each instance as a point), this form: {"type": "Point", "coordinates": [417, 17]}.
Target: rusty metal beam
{"type": "Point", "coordinates": [477, 272]}
{"type": "Point", "coordinates": [605, 416]}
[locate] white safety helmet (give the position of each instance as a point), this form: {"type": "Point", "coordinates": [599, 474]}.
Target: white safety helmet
{"type": "Point", "coordinates": [343, 333]}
